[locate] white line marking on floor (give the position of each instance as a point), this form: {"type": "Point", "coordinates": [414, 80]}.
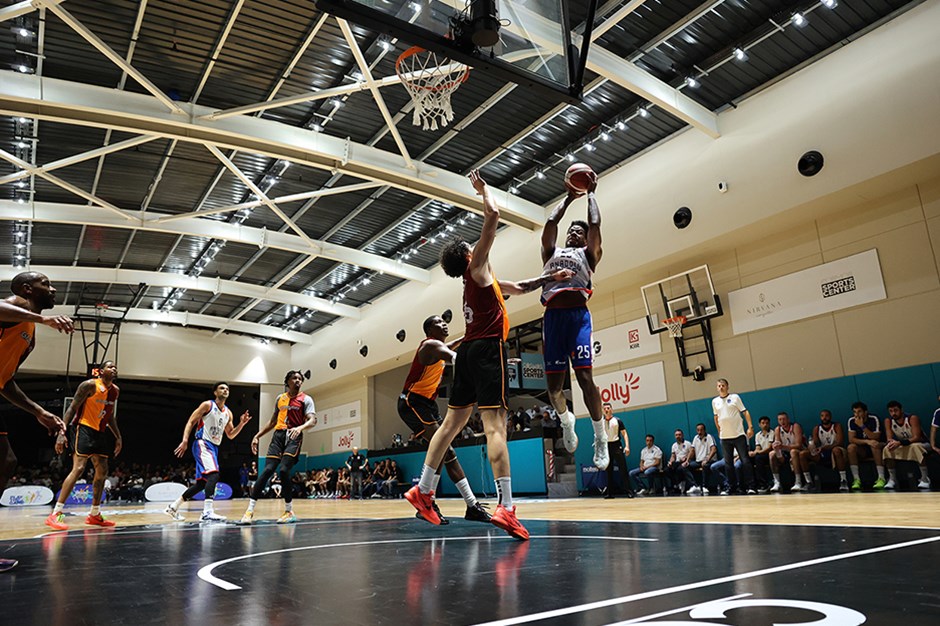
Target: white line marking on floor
{"type": "Point", "coordinates": [532, 617]}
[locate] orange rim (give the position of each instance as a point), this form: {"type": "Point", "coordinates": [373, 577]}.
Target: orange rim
{"type": "Point", "coordinates": [413, 50]}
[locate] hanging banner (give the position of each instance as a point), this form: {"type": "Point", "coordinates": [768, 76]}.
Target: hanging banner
{"type": "Point", "coordinates": [624, 342]}
{"type": "Point", "coordinates": [512, 373]}
{"type": "Point", "coordinates": [344, 439]}
{"type": "Point", "coordinates": [342, 415]}
{"type": "Point", "coordinates": [533, 371]}
{"type": "Point", "coordinates": [628, 388]}
{"type": "Point", "coordinates": [822, 289]}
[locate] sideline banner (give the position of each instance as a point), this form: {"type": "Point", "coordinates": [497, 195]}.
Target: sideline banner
{"type": "Point", "coordinates": [81, 494]}
{"type": "Point", "coordinates": [164, 492]}
{"type": "Point", "coordinates": [27, 495]}
{"type": "Point", "coordinates": [624, 342]}
{"type": "Point", "coordinates": [342, 415]}
{"type": "Point", "coordinates": [628, 388]}
{"type": "Point", "coordinates": [346, 438]}
{"type": "Point", "coordinates": [825, 288]}
{"type": "Point", "coordinates": [222, 492]}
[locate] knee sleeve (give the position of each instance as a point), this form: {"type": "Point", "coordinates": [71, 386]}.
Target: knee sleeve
{"type": "Point", "coordinates": [190, 493]}
{"type": "Point", "coordinates": [211, 481]}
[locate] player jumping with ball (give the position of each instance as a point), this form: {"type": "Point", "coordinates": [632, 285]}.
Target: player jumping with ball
{"type": "Point", "coordinates": [566, 326]}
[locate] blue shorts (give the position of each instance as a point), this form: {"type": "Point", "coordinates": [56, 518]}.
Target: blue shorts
{"type": "Point", "coordinates": [566, 335]}
{"type": "Point", "coordinates": [207, 457]}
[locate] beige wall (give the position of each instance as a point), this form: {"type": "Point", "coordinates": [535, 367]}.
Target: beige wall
{"type": "Point", "coordinates": [321, 442]}
{"type": "Point", "coordinates": [903, 330]}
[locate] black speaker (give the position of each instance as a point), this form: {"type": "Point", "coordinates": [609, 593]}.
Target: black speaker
{"type": "Point", "coordinates": [484, 23]}
{"type": "Point", "coordinates": [333, 364]}
{"type": "Point", "coordinates": [447, 316]}
{"type": "Point", "coordinates": [307, 374]}
{"type": "Point", "coordinates": [810, 163]}
{"type": "Point", "coordinates": [364, 350]}
{"type": "Point", "coordinates": [682, 217]}
{"type": "Point", "coordinates": [400, 335]}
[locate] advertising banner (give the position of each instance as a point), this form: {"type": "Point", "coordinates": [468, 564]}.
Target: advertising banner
{"type": "Point", "coordinates": [829, 287]}
{"type": "Point", "coordinates": [629, 388]}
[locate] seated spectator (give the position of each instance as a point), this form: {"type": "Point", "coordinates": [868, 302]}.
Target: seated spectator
{"type": "Point", "coordinates": [864, 432]}
{"type": "Point", "coordinates": [934, 427]}
{"type": "Point", "coordinates": [678, 468]}
{"type": "Point", "coordinates": [342, 483]}
{"type": "Point", "coordinates": [788, 443]}
{"type": "Point", "coordinates": [380, 477]}
{"type": "Point", "coordinates": [825, 447]}
{"type": "Point", "coordinates": [760, 455]}
{"type": "Point", "coordinates": [651, 459]}
{"type": "Point", "coordinates": [396, 479]}
{"type": "Point", "coordinates": [906, 442]}
{"type": "Point", "coordinates": [719, 468]}
{"type": "Point", "coordinates": [705, 452]}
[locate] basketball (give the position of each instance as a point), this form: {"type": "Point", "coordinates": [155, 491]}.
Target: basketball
{"type": "Point", "coordinates": [579, 177]}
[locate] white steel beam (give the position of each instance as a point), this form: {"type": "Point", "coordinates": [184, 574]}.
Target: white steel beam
{"type": "Point", "coordinates": [88, 105]}
{"type": "Point", "coordinates": [261, 195]}
{"type": "Point", "coordinates": [63, 184]}
{"type": "Point", "coordinates": [76, 158]}
{"type": "Point", "coordinates": [107, 51]}
{"type": "Point", "coordinates": [305, 195]}
{"type": "Point", "coordinates": [374, 88]}
{"type": "Point", "coordinates": [171, 280]}
{"type": "Point", "coordinates": [184, 318]}
{"type": "Point", "coordinates": [22, 8]}
{"type": "Point", "coordinates": [55, 213]}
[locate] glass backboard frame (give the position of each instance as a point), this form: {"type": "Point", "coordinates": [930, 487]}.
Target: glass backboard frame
{"type": "Point", "coordinates": [690, 293]}
{"type": "Point", "coordinates": [384, 21]}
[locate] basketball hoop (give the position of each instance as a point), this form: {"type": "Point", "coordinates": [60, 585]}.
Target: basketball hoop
{"type": "Point", "coordinates": [674, 324]}
{"type": "Point", "coordinates": [430, 80]}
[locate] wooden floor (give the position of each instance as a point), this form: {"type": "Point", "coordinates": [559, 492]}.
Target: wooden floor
{"type": "Point", "coordinates": [915, 510]}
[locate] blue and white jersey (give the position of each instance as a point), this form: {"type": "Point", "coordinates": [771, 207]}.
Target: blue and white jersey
{"type": "Point", "coordinates": [574, 259]}
{"type": "Point", "coordinates": [827, 437]}
{"type": "Point", "coordinates": [213, 423]}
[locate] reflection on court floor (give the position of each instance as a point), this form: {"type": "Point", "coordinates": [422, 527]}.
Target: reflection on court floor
{"type": "Point", "coordinates": [405, 571]}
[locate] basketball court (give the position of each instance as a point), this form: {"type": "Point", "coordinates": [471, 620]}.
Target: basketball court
{"type": "Point", "coordinates": [231, 189]}
{"type": "Point", "coordinates": [656, 560]}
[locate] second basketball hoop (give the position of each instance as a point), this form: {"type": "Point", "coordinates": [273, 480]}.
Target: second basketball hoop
{"type": "Point", "coordinates": [430, 79]}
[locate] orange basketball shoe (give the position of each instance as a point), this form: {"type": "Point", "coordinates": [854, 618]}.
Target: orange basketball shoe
{"type": "Point", "coordinates": [506, 519]}
{"type": "Point", "coordinates": [98, 520]}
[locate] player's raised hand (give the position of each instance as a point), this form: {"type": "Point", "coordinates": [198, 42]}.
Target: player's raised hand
{"type": "Point", "coordinates": [477, 181]}
{"type": "Point", "coordinates": [62, 323]}
{"type": "Point", "coordinates": [245, 418]}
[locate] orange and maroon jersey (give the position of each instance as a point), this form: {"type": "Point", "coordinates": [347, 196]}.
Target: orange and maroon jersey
{"type": "Point", "coordinates": [98, 408]}
{"type": "Point", "coordinates": [424, 379]}
{"type": "Point", "coordinates": [293, 412]}
{"type": "Point", "coordinates": [16, 342]}
{"type": "Point", "coordinates": [484, 310]}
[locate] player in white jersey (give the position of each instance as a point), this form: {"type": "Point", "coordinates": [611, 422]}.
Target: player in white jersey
{"type": "Point", "coordinates": [788, 443]}
{"type": "Point", "coordinates": [566, 325]}
{"type": "Point", "coordinates": [213, 419]}
{"type": "Point", "coordinates": [905, 443]}
{"type": "Point", "coordinates": [825, 446]}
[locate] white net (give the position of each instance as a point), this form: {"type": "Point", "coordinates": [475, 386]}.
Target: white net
{"type": "Point", "coordinates": [430, 80]}
{"type": "Point", "coordinates": [674, 324]}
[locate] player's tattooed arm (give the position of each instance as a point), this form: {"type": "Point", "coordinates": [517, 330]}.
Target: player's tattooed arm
{"type": "Point", "coordinates": [521, 287]}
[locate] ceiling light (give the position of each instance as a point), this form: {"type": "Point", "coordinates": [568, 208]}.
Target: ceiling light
{"type": "Point", "coordinates": [23, 32]}
{"type": "Point", "coordinates": [621, 125]}
{"type": "Point", "coordinates": [691, 82]}
{"type": "Point", "coordinates": [643, 112]}
{"type": "Point", "coordinates": [21, 201]}
{"type": "Point", "coordinates": [337, 102]}
{"type": "Point", "coordinates": [387, 45]}
{"type": "Point", "coordinates": [605, 136]}
{"type": "Point", "coordinates": [798, 19]}
{"type": "Point", "coordinates": [316, 127]}
{"type": "Point", "coordinates": [830, 4]}
{"type": "Point", "coordinates": [569, 157]}
{"type": "Point", "coordinates": [540, 175]}
{"type": "Point", "coordinates": [21, 144]}
{"type": "Point", "coordinates": [24, 69]}
{"type": "Point", "coordinates": [589, 147]}
{"type": "Point", "coordinates": [740, 54]}
{"type": "Point", "coordinates": [513, 190]}
{"type": "Point", "coordinates": [366, 281]}
{"type": "Point", "coordinates": [22, 120]}
{"type": "Point", "coordinates": [153, 324]}
{"type": "Point", "coordinates": [21, 183]}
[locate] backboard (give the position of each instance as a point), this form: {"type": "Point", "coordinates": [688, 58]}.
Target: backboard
{"type": "Point", "coordinates": [533, 38]}
{"type": "Point", "coordinates": [690, 293]}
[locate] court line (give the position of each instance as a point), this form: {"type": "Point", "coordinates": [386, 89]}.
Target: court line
{"type": "Point", "coordinates": [532, 617]}
{"type": "Point", "coordinates": [717, 523]}
{"type": "Point", "coordinates": [644, 618]}
{"type": "Point", "coordinates": [205, 572]}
